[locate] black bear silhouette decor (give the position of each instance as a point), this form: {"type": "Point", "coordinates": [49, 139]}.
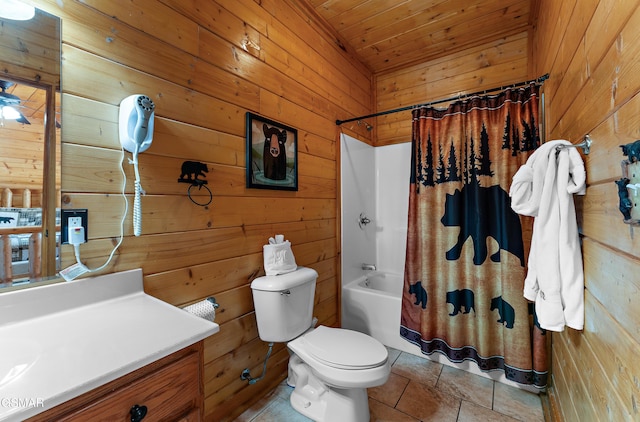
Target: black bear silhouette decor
{"type": "Point", "coordinates": [505, 310]}
{"type": "Point", "coordinates": [625, 203]}
{"type": "Point", "coordinates": [632, 151]}
{"type": "Point", "coordinates": [481, 212]}
{"type": "Point", "coordinates": [275, 156]}
{"type": "Point", "coordinates": [6, 220]}
{"type": "Point", "coordinates": [460, 298]}
{"type": "Point", "coordinates": [191, 170]}
{"type": "Point", "coordinates": [420, 292]}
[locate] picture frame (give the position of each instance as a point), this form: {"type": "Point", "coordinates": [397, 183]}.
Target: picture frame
{"type": "Point", "coordinates": [272, 154]}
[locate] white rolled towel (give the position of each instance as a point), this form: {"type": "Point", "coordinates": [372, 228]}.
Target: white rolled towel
{"type": "Point", "coordinates": [278, 256]}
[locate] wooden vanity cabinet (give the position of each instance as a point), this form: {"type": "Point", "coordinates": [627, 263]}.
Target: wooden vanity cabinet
{"type": "Point", "coordinates": [170, 389]}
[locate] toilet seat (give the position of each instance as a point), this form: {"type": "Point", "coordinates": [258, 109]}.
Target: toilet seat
{"type": "Point", "coordinates": [344, 349]}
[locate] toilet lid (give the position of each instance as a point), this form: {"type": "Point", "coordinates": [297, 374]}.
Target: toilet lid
{"type": "Point", "coordinates": [342, 348]}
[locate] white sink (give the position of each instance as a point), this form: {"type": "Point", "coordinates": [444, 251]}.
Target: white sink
{"type": "Point", "coordinates": [62, 340]}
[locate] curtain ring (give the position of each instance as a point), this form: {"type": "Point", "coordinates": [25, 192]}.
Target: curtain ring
{"type": "Point", "coordinates": [200, 187]}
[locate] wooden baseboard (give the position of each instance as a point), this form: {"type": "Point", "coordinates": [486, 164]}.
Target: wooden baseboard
{"type": "Point", "coordinates": [550, 406]}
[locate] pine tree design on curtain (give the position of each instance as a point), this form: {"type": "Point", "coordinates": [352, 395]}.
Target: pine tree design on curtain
{"type": "Point", "coordinates": [465, 246]}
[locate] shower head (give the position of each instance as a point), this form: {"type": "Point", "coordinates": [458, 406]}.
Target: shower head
{"type": "Point", "coordinates": [367, 125]}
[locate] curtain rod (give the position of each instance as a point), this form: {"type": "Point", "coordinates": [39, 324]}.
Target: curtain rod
{"type": "Point", "coordinates": [540, 80]}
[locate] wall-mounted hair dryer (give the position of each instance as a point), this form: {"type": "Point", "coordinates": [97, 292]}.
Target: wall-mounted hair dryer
{"type": "Point", "coordinates": [136, 123]}
{"type": "Point", "coordinates": [136, 135]}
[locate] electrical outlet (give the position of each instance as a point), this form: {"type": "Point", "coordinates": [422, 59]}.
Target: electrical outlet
{"type": "Point", "coordinates": [73, 218]}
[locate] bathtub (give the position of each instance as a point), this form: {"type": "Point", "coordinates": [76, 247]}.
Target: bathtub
{"type": "Point", "coordinates": [371, 304]}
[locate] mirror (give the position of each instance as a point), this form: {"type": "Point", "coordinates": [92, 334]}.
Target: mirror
{"type": "Point", "coordinates": [30, 123]}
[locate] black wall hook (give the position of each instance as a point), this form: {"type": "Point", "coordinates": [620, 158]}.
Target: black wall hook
{"type": "Point", "coordinates": [190, 172]}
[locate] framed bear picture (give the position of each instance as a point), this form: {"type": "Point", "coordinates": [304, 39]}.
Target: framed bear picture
{"type": "Point", "coordinates": [272, 154]}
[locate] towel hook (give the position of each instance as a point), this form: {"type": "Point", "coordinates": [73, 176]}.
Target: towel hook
{"type": "Point", "coordinates": [585, 145]}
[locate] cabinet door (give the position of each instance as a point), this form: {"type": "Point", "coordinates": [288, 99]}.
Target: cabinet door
{"type": "Point", "coordinates": [169, 393]}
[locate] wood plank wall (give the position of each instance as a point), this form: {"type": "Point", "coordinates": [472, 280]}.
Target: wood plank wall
{"type": "Point", "coordinates": [490, 65]}
{"type": "Point", "coordinates": [189, 58]}
{"type": "Point", "coordinates": [591, 50]}
{"type": "Point", "coordinates": [22, 158]}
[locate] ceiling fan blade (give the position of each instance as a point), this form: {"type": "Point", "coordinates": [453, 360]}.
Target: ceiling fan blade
{"type": "Point", "coordinates": [23, 120]}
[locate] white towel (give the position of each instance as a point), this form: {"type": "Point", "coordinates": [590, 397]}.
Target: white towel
{"type": "Point", "coordinates": [544, 188]}
{"type": "Point", "coordinates": [278, 256]}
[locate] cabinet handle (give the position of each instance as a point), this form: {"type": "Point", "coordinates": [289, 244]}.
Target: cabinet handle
{"type": "Point", "coordinates": [138, 413]}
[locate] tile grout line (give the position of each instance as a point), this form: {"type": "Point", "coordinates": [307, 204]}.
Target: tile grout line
{"type": "Point", "coordinates": [493, 397]}
{"type": "Point", "coordinates": [403, 391]}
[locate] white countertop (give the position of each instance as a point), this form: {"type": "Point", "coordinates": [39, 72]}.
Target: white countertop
{"type": "Point", "coordinates": [62, 340]}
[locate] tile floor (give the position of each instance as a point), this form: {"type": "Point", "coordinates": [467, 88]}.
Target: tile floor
{"type": "Point", "coordinates": [421, 390]}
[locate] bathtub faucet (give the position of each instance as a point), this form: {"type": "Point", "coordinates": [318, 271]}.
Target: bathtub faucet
{"type": "Point", "coordinates": [368, 267]}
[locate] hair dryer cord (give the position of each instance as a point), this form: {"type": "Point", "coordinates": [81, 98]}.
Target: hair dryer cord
{"type": "Point", "coordinates": [137, 203]}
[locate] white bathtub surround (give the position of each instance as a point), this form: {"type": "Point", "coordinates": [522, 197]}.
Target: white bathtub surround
{"type": "Point", "coordinates": [62, 340]}
{"type": "Point", "coordinates": [392, 169]}
{"type": "Point", "coordinates": [375, 181]}
{"type": "Point", "coordinates": [358, 197]}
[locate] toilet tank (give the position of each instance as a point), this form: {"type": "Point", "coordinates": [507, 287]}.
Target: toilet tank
{"type": "Point", "coordinates": [284, 304]}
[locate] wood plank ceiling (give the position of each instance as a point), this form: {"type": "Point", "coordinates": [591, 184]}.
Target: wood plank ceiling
{"type": "Point", "coordinates": [32, 100]}
{"type": "Point", "coordinates": [389, 35]}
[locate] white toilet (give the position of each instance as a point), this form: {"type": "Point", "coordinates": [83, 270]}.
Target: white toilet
{"type": "Point", "coordinates": [330, 368]}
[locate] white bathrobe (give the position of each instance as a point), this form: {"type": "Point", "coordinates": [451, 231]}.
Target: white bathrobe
{"type": "Point", "coordinates": [544, 188]}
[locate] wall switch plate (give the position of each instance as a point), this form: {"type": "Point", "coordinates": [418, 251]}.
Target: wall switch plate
{"type": "Point", "coordinates": [73, 218]}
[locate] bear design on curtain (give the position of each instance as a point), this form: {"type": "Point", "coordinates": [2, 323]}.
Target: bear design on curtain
{"type": "Point", "coordinates": [465, 260]}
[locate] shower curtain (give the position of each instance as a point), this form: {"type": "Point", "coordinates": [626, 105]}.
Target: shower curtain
{"type": "Point", "coordinates": [465, 260]}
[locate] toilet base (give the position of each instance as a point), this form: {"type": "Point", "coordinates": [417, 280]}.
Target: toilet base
{"type": "Point", "coordinates": [320, 402]}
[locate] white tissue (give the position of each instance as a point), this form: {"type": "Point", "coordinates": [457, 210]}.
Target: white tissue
{"type": "Point", "coordinates": [204, 309]}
